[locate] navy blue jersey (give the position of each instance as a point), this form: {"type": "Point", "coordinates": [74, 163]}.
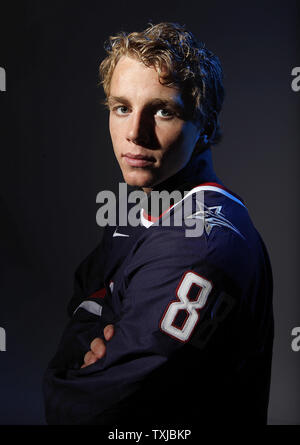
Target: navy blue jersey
{"type": "Point", "coordinates": [193, 322]}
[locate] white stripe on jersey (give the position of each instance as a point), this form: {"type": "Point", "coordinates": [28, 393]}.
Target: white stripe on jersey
{"type": "Point", "coordinates": [212, 188]}
{"type": "Point", "coordinates": [90, 306]}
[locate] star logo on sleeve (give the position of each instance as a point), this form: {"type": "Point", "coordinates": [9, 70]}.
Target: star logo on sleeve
{"type": "Point", "coordinates": [213, 217]}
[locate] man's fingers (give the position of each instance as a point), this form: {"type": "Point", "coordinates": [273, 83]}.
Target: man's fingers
{"type": "Point", "coordinates": [98, 347]}
{"type": "Point", "coordinates": [108, 331]}
{"type": "Point", "coordinates": [89, 359]}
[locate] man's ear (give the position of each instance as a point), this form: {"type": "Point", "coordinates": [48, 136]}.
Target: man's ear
{"type": "Point", "coordinates": [198, 135]}
{"type": "Point", "coordinates": [211, 127]}
{"type": "Point", "coordinates": [201, 141]}
{"type": "Point", "coordinates": [206, 134]}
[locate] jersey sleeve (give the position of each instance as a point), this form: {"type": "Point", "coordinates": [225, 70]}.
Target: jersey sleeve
{"type": "Point", "coordinates": [89, 309]}
{"type": "Point", "coordinates": [171, 286]}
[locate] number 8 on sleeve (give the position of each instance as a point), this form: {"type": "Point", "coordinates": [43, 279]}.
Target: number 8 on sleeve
{"type": "Point", "coordinates": [183, 302]}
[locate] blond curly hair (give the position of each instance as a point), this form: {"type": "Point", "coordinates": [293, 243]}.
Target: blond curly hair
{"type": "Point", "coordinates": [181, 61]}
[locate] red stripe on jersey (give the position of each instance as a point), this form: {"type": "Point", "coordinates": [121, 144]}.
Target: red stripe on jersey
{"type": "Point", "coordinates": [99, 293]}
{"type": "Point", "coordinates": [213, 184]}
{"type": "Point", "coordinates": [155, 218]}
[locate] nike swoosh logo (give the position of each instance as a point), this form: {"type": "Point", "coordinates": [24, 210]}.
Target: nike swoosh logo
{"type": "Point", "coordinates": [118, 233]}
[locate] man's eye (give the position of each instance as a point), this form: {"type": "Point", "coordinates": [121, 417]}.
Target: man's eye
{"type": "Point", "coordinates": [163, 112]}
{"type": "Point", "coordinates": [121, 109]}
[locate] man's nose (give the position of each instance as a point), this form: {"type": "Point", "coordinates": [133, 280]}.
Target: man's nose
{"type": "Point", "coordinates": [139, 128]}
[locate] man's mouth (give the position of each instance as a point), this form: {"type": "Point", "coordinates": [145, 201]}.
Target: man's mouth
{"type": "Point", "coordinates": [138, 160]}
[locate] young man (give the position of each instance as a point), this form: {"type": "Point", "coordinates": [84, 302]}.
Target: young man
{"type": "Point", "coordinates": [165, 327]}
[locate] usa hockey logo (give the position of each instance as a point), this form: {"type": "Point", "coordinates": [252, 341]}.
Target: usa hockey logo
{"type": "Point", "coordinates": [213, 217]}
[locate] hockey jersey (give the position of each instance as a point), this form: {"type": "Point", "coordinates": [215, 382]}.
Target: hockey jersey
{"type": "Point", "coordinates": [193, 321]}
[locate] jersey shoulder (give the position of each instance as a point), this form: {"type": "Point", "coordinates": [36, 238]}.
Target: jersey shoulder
{"type": "Point", "coordinates": [207, 212]}
{"type": "Point", "coordinates": [210, 228]}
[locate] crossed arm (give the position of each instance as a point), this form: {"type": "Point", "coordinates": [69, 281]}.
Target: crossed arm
{"type": "Point", "coordinates": [89, 378]}
{"type": "Point", "coordinates": [98, 347]}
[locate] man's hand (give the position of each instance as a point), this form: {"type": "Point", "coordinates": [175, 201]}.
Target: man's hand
{"type": "Point", "coordinates": [98, 347]}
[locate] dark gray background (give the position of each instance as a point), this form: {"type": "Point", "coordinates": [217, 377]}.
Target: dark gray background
{"type": "Point", "coordinates": [56, 155]}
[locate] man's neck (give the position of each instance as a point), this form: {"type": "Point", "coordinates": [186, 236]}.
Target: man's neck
{"type": "Point", "coordinates": [198, 170]}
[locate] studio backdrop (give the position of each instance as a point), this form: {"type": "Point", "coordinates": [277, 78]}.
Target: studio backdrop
{"type": "Point", "coordinates": [56, 155]}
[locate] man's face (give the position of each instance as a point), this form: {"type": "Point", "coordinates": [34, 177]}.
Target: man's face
{"type": "Point", "coordinates": [151, 140]}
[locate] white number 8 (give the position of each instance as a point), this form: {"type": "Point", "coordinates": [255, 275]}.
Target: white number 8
{"type": "Point", "coordinates": [191, 307]}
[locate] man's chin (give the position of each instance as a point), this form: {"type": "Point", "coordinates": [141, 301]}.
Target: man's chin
{"type": "Point", "coordinates": [138, 180]}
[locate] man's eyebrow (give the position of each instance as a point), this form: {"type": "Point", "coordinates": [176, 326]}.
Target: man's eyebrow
{"type": "Point", "coordinates": [112, 99]}
{"type": "Point", "coordinates": [157, 101]}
